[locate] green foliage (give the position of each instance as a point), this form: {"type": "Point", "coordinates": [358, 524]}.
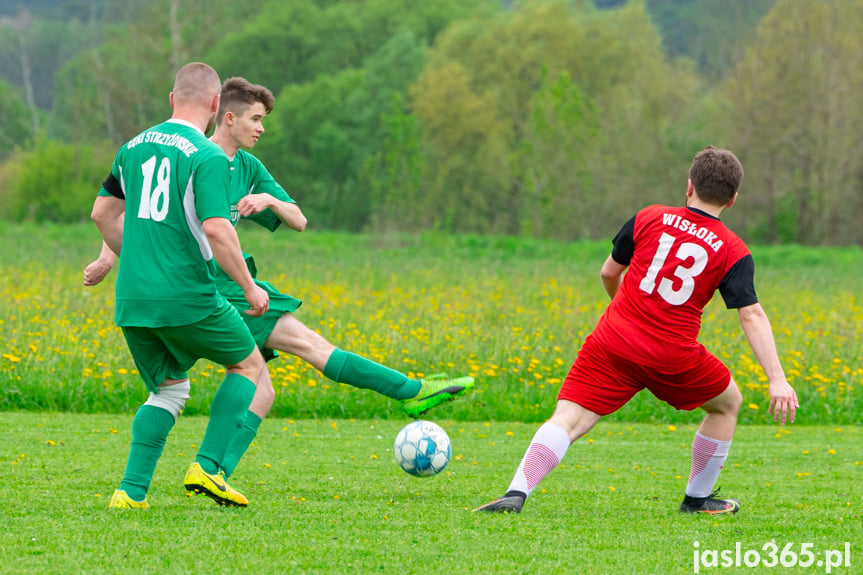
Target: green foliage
{"type": "Point", "coordinates": [34, 49]}
{"type": "Point", "coordinates": [496, 139]}
{"type": "Point", "coordinates": [393, 175]}
{"type": "Point", "coordinates": [294, 42]}
{"type": "Point", "coordinates": [321, 133]}
{"type": "Point", "coordinates": [561, 138]}
{"type": "Point", "coordinates": [117, 88]}
{"type": "Point", "coordinates": [475, 99]}
{"type": "Point", "coordinates": [15, 128]}
{"type": "Point", "coordinates": [53, 181]}
{"type": "Point", "coordinates": [344, 64]}
{"type": "Point", "coordinates": [712, 33]}
{"type": "Point", "coordinates": [274, 49]}
{"type": "Point", "coordinates": [309, 149]}
{"type": "Point", "coordinates": [795, 124]}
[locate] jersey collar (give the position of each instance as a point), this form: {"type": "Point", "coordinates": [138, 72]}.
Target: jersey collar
{"type": "Point", "coordinates": [185, 123]}
{"type": "Point", "coordinates": [703, 213]}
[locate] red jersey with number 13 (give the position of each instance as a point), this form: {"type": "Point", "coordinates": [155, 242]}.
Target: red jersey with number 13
{"type": "Point", "coordinates": [679, 258]}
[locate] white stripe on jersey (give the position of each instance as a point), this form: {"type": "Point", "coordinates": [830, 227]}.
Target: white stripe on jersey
{"type": "Point", "coordinates": [194, 223]}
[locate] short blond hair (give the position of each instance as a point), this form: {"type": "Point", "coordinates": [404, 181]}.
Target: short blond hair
{"type": "Point", "coordinates": [196, 82]}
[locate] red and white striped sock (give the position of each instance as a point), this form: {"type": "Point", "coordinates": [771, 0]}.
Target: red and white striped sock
{"type": "Point", "coordinates": [708, 457]}
{"type": "Point", "coordinates": [546, 450]}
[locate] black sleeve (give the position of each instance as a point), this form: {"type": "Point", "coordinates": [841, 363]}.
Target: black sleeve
{"type": "Point", "coordinates": [113, 187]}
{"type": "Point", "coordinates": [624, 243]}
{"type": "Point", "coordinates": [738, 285]}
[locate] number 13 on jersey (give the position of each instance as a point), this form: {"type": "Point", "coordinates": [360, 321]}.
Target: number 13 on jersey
{"type": "Point", "coordinates": [687, 251]}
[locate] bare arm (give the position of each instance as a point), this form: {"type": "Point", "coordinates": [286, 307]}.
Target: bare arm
{"type": "Point", "coordinates": [756, 326]}
{"type": "Point", "coordinates": [226, 249]}
{"type": "Point", "coordinates": [612, 275]}
{"type": "Point", "coordinates": [289, 212]}
{"type": "Point", "coordinates": [99, 268]}
{"type": "Point", "coordinates": [107, 214]}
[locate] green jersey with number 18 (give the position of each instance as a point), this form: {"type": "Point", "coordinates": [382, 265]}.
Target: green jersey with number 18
{"type": "Point", "coordinates": [173, 179]}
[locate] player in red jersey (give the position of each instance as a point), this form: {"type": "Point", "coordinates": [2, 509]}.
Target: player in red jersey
{"type": "Point", "coordinates": [678, 257]}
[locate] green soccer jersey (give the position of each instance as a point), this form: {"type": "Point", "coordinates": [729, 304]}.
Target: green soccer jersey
{"type": "Point", "coordinates": [173, 179]}
{"type": "Point", "coordinates": [249, 176]}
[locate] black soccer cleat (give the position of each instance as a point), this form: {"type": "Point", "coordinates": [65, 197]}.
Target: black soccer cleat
{"type": "Point", "coordinates": [512, 502]}
{"type": "Point", "coordinates": [710, 504]}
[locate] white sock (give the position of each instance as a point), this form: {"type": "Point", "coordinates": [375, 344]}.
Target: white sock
{"type": "Point", "coordinates": [546, 450]}
{"type": "Point", "coordinates": [708, 457]}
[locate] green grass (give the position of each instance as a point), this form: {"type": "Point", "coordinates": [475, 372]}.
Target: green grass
{"type": "Point", "coordinates": [327, 497]}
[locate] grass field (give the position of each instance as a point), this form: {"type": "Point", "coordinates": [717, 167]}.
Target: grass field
{"type": "Point", "coordinates": [510, 312]}
{"type": "Point", "coordinates": [327, 497]}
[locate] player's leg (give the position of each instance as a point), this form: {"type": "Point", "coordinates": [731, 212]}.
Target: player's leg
{"type": "Point", "coordinates": [546, 450]}
{"type": "Point", "coordinates": [260, 406]}
{"type": "Point", "coordinates": [224, 338]}
{"type": "Point", "coordinates": [596, 385]}
{"type": "Point", "coordinates": [229, 409]}
{"type": "Point", "coordinates": [709, 452]}
{"type": "Point", "coordinates": [153, 420]}
{"type": "Point", "coordinates": [292, 336]}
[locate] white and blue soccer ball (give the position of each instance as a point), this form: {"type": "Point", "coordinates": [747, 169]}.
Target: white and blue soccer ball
{"type": "Point", "coordinates": [422, 448]}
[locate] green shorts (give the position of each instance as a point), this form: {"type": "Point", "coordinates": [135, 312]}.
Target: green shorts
{"type": "Point", "coordinates": [260, 327]}
{"type": "Point", "coordinates": [162, 353]}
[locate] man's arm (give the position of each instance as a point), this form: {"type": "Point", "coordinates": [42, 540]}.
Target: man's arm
{"type": "Point", "coordinates": [99, 268]}
{"type": "Point", "coordinates": [289, 212]}
{"type": "Point", "coordinates": [756, 326]}
{"type": "Point", "coordinates": [612, 275]}
{"type": "Point", "coordinates": [107, 214]}
{"type": "Point", "coordinates": [226, 249]}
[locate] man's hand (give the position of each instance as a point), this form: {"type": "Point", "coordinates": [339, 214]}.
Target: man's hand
{"type": "Point", "coordinates": [258, 299]}
{"type": "Point", "coordinates": [254, 203]}
{"type": "Point", "coordinates": [96, 271]}
{"type": "Point", "coordinates": [783, 401]}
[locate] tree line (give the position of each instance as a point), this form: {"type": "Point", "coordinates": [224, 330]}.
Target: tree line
{"type": "Point", "coordinates": [540, 118]}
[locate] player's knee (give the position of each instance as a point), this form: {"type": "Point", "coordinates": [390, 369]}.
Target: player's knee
{"type": "Point", "coordinates": [171, 398]}
{"type": "Point", "coordinates": [254, 365]}
{"type": "Point", "coordinates": [735, 399]}
{"type": "Point", "coordinates": [266, 393]}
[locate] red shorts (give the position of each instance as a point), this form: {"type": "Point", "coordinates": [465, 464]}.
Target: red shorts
{"type": "Point", "coordinates": [603, 382]}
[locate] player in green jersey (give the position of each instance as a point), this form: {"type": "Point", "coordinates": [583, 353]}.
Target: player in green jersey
{"type": "Point", "coordinates": [255, 195]}
{"type": "Point", "coordinates": [175, 182]}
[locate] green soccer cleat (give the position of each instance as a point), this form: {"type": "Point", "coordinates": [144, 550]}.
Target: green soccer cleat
{"type": "Point", "coordinates": [121, 500]}
{"type": "Point", "coordinates": [213, 486]}
{"type": "Point", "coordinates": [710, 505]}
{"type": "Point", "coordinates": [435, 390]}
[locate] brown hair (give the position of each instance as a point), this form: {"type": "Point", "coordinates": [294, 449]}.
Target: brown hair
{"type": "Point", "coordinates": [238, 94]}
{"type": "Point", "coordinates": [716, 174]}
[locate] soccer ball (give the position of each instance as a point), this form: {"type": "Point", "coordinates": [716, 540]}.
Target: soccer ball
{"type": "Point", "coordinates": [422, 448]}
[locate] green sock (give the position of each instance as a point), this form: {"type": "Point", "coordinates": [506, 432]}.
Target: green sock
{"type": "Point", "coordinates": [241, 442]}
{"type": "Point", "coordinates": [350, 368]}
{"type": "Point", "coordinates": [150, 430]}
{"type": "Point", "coordinates": [227, 413]}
